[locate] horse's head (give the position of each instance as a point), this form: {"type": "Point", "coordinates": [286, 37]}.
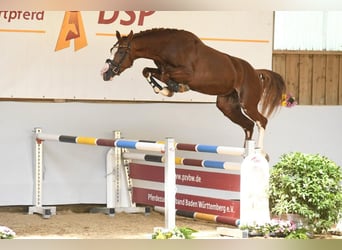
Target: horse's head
{"type": "Point", "coordinates": [122, 58]}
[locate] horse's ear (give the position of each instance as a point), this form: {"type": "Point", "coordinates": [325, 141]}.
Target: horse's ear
{"type": "Point", "coordinates": [118, 36]}
{"type": "Point", "coordinates": [130, 35]}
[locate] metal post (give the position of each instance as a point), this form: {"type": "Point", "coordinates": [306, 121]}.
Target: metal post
{"type": "Point", "coordinates": [113, 180]}
{"type": "Point", "coordinates": [110, 188]}
{"type": "Point", "coordinates": [170, 185]}
{"type": "Point", "coordinates": [38, 161]}
{"type": "Point", "coordinates": [113, 166]}
{"type": "Point", "coordinates": [117, 171]}
{"type": "Point", "coordinates": [38, 181]}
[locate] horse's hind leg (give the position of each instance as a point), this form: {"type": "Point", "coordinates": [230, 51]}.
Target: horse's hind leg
{"type": "Point", "coordinates": [231, 108]}
{"type": "Point", "coordinates": [249, 106]}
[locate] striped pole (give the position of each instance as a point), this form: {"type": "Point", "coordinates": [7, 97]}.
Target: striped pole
{"type": "Point", "coordinates": [143, 144]}
{"type": "Point", "coordinates": [132, 144]}
{"type": "Point", "coordinates": [203, 216]}
{"type": "Point", "coordinates": [223, 150]}
{"type": "Point", "coordinates": [210, 149]}
{"type": "Point", "coordinates": [184, 161]}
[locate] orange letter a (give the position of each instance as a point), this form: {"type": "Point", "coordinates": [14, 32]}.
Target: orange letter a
{"type": "Point", "coordinates": [72, 28]}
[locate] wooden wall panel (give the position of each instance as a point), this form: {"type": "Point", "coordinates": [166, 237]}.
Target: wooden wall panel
{"type": "Point", "coordinates": [292, 74]}
{"type": "Point", "coordinates": [332, 74]}
{"type": "Point", "coordinates": [340, 83]}
{"type": "Point", "coordinates": [313, 77]}
{"type": "Point", "coordinates": [318, 79]}
{"type": "Point", "coordinates": [279, 64]}
{"type": "Point", "coordinates": [305, 80]}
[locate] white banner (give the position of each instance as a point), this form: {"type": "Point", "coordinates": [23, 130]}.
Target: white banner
{"type": "Point", "coordinates": [59, 55]}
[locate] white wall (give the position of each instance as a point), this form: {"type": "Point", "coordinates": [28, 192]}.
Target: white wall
{"type": "Point", "coordinates": [76, 173]}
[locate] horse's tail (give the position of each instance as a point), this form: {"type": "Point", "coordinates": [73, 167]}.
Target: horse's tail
{"type": "Point", "coordinates": [274, 88]}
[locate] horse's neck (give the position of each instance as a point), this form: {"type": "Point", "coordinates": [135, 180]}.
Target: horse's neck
{"type": "Point", "coordinates": [145, 48]}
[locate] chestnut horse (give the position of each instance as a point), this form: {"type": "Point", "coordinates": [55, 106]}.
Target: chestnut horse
{"type": "Point", "coordinates": [185, 63]}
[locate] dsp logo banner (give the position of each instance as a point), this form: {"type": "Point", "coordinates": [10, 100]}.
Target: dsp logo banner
{"type": "Point", "coordinates": [73, 27]}
{"type": "Point", "coordinates": [59, 54]}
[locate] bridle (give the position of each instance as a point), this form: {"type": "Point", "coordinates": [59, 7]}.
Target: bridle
{"type": "Point", "coordinates": [115, 67]}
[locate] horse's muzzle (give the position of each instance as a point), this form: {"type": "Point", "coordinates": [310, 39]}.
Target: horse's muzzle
{"type": "Point", "coordinates": [109, 70]}
{"type": "Point", "coordinates": [106, 72]}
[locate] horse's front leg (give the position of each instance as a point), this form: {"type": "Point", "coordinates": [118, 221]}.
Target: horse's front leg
{"type": "Point", "coordinates": [150, 74]}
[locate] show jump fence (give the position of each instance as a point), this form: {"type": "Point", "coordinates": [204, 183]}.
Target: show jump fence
{"type": "Point", "coordinates": [236, 194]}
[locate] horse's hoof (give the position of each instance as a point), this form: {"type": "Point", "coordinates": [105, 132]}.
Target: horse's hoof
{"type": "Point", "coordinates": [267, 157]}
{"type": "Point", "coordinates": [183, 88]}
{"type": "Point", "coordinates": [264, 154]}
{"type": "Point", "coordinates": [166, 92]}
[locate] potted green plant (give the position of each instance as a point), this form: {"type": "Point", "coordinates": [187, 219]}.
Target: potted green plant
{"type": "Point", "coordinates": [308, 186]}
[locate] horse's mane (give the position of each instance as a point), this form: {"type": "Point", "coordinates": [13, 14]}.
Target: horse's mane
{"type": "Point", "coordinates": [153, 30]}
